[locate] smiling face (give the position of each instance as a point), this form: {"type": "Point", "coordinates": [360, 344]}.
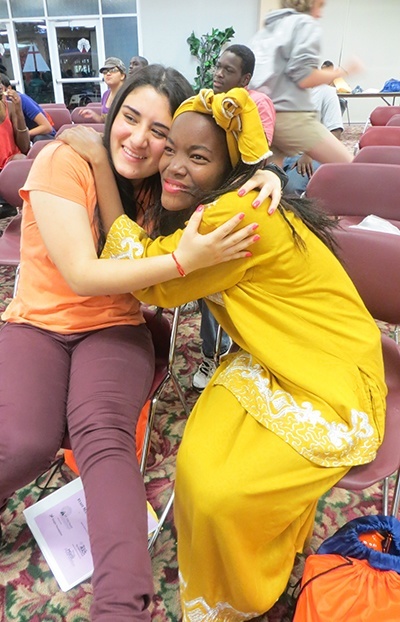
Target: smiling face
{"type": "Point", "coordinates": [195, 161]}
{"type": "Point", "coordinates": [139, 133]}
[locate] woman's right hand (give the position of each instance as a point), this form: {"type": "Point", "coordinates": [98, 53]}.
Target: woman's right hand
{"type": "Point", "coordinates": [86, 141]}
{"type": "Point", "coordinates": [197, 251]}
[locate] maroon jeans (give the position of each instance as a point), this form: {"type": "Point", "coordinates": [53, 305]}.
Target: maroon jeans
{"type": "Point", "coordinates": [96, 383]}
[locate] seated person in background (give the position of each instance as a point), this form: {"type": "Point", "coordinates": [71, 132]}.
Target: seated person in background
{"type": "Point", "coordinates": [303, 400]}
{"type": "Point", "coordinates": [36, 119]}
{"type": "Point", "coordinates": [234, 68]}
{"type": "Point", "coordinates": [339, 83]}
{"type": "Point", "coordinates": [14, 135]}
{"type": "Point", "coordinates": [114, 75]}
{"type": "Point", "coordinates": [137, 62]}
{"type": "Point", "coordinates": [300, 168]}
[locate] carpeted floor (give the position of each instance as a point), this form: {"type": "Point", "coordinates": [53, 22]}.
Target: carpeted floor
{"type": "Point", "coordinates": [29, 592]}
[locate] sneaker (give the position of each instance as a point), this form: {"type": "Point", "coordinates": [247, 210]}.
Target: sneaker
{"type": "Point", "coordinates": [190, 307]}
{"type": "Point", "coordinates": [203, 374]}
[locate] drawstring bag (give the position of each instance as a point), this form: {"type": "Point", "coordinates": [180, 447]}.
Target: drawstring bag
{"type": "Point", "coordinates": [355, 575]}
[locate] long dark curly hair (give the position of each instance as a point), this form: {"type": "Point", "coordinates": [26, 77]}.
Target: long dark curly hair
{"type": "Point", "coordinates": [318, 221]}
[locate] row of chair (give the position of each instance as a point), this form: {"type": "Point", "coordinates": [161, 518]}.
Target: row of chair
{"type": "Point", "coordinates": [371, 185]}
{"type": "Point", "coordinates": [60, 114]}
{"type": "Point", "coordinates": [382, 127]}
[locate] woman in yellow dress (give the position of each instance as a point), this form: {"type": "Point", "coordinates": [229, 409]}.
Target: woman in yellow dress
{"type": "Point", "coordinates": [302, 401]}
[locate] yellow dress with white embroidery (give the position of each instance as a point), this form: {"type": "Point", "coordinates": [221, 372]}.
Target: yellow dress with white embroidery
{"type": "Point", "coordinates": [306, 386]}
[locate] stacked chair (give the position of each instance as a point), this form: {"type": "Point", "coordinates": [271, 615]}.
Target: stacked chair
{"type": "Point", "coordinates": [380, 135]}
{"type": "Point", "coordinates": [351, 192]}
{"type": "Point", "coordinates": [77, 117]}
{"type": "Point", "coordinates": [375, 130]}
{"type": "Point", "coordinates": [12, 178]}
{"type": "Point", "coordinates": [379, 154]}
{"type": "Point", "coordinates": [99, 127]}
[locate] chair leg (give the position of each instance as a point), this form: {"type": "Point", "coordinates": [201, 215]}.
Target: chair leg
{"type": "Point", "coordinates": [385, 492]}
{"type": "Point", "coordinates": [16, 281]}
{"type": "Point", "coordinates": [180, 393]}
{"type": "Point", "coordinates": [396, 495]}
{"type": "Point", "coordinates": [161, 522]}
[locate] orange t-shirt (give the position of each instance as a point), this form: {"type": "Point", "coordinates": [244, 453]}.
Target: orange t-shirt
{"type": "Point", "coordinates": [43, 298]}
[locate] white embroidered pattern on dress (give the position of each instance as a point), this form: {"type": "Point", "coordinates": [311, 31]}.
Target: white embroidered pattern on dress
{"type": "Point", "coordinates": [197, 610]}
{"type": "Point", "coordinates": [134, 249]}
{"type": "Point", "coordinates": [325, 440]}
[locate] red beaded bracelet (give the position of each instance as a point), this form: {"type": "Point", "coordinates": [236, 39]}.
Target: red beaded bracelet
{"type": "Point", "coordinates": [178, 265]}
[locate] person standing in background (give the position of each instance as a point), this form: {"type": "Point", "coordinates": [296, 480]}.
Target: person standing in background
{"type": "Point", "coordinates": [114, 74]}
{"type": "Point", "coordinates": [287, 53]}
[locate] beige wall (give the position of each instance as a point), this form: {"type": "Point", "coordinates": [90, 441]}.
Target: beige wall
{"type": "Point", "coordinates": [265, 6]}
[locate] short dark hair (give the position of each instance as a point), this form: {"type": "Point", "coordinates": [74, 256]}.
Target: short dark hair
{"type": "Point", "coordinates": [326, 63]}
{"type": "Point", "coordinates": [247, 56]}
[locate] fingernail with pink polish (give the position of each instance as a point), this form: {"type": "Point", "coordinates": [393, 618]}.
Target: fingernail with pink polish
{"type": "Point", "coordinates": [200, 208]}
{"type": "Point", "coordinates": [241, 216]}
{"type": "Point", "coordinates": [248, 254]}
{"type": "Point", "coordinates": [255, 226]}
{"type": "Point", "coordinates": [256, 203]}
{"type": "Point", "coordinates": [256, 238]}
{"type": "Point", "coordinates": [241, 192]}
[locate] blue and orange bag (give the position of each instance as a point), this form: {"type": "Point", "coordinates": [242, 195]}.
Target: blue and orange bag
{"type": "Point", "coordinates": [355, 575]}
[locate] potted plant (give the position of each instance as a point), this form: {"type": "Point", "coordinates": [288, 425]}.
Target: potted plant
{"type": "Point", "coordinates": [207, 49]}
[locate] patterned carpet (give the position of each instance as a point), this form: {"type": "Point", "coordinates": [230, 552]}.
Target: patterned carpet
{"type": "Point", "coordinates": [28, 590]}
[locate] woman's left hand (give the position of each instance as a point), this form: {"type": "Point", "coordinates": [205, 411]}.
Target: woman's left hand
{"type": "Point", "coordinates": [269, 185]}
{"type": "Point", "coordinates": [197, 251]}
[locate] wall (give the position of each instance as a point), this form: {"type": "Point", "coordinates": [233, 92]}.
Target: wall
{"type": "Point", "coordinates": [367, 29]}
{"type": "Point", "coordinates": [166, 24]}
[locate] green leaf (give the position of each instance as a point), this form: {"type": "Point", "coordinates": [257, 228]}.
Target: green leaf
{"type": "Point", "coordinates": [207, 50]}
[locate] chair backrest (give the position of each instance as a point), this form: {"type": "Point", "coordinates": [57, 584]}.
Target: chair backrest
{"type": "Point", "coordinates": [380, 135]}
{"type": "Point", "coordinates": [382, 114]}
{"type": "Point", "coordinates": [36, 147]}
{"type": "Point", "coordinates": [395, 120]}
{"type": "Point", "coordinates": [12, 178]}
{"type": "Point", "coordinates": [372, 260]}
{"type": "Point", "coordinates": [60, 116]}
{"type": "Point", "coordinates": [96, 105]}
{"type": "Point", "coordinates": [99, 127]}
{"type": "Point", "coordinates": [357, 189]}
{"type": "Point", "coordinates": [379, 154]}
{"type": "Point", "coordinates": [78, 118]}
{"type": "Point", "coordinates": [10, 242]}
{"type": "Point", "coordinates": [46, 106]}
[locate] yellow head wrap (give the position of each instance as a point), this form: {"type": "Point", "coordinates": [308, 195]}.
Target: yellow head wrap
{"type": "Point", "coordinates": [237, 114]}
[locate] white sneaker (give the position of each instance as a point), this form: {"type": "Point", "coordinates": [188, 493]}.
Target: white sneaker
{"type": "Point", "coordinates": [204, 373]}
{"type": "Point", "coordinates": [190, 307]}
